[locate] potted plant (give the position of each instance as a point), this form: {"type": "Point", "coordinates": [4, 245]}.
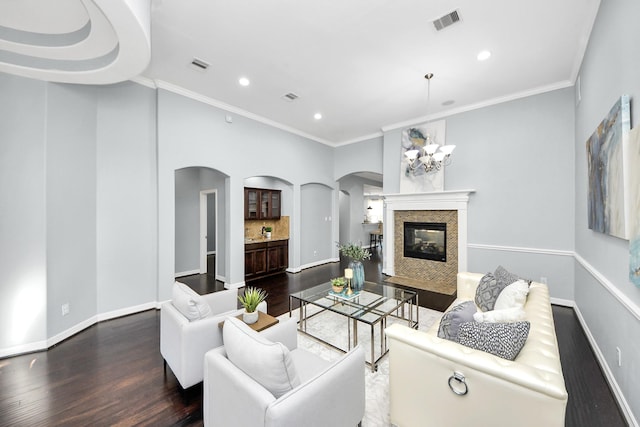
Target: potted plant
{"type": "Point", "coordinates": [250, 300]}
{"type": "Point", "coordinates": [337, 284]}
{"type": "Point", "coordinates": [267, 231]}
{"type": "Point", "coordinates": [357, 254]}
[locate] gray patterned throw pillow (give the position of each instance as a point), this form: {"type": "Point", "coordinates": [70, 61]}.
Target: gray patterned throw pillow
{"type": "Point", "coordinates": [487, 292]}
{"type": "Point", "coordinates": [504, 277]}
{"type": "Point", "coordinates": [451, 320]}
{"type": "Point", "coordinates": [501, 339]}
{"type": "Point", "coordinates": [491, 285]}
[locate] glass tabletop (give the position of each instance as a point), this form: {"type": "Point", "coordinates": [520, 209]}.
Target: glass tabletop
{"type": "Point", "coordinates": [373, 302]}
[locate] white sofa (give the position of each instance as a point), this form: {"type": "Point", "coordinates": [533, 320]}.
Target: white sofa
{"type": "Point", "coordinates": [184, 342]}
{"type": "Point", "coordinates": [528, 391]}
{"type": "Point", "coordinates": [322, 394]}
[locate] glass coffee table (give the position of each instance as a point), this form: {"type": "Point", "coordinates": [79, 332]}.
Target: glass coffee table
{"type": "Point", "coordinates": [373, 305]}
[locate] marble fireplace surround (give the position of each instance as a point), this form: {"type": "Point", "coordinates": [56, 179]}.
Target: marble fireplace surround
{"type": "Point", "coordinates": [455, 200]}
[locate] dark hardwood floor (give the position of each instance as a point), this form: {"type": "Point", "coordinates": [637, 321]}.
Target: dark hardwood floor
{"type": "Point", "coordinates": [111, 374]}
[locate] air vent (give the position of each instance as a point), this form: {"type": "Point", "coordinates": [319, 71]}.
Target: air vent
{"type": "Point", "coordinates": [446, 20]}
{"type": "Point", "coordinates": [290, 96]}
{"type": "Point", "coordinates": [199, 64]}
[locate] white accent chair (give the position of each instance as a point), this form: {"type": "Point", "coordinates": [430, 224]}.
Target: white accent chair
{"type": "Point", "coordinates": [184, 342]}
{"type": "Point", "coordinates": [312, 391]}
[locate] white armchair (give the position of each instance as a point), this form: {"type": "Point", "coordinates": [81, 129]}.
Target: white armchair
{"type": "Point", "coordinates": [183, 342]}
{"type": "Point", "coordinates": [309, 391]}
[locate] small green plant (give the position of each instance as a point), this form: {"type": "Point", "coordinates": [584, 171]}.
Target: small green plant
{"type": "Point", "coordinates": [251, 298]}
{"type": "Point", "coordinates": [338, 282]}
{"type": "Point", "coordinates": [353, 251]}
{"type": "Point", "coordinates": [268, 229]}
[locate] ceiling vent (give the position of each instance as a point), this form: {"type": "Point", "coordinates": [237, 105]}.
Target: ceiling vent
{"type": "Point", "coordinates": [199, 64]}
{"type": "Point", "coordinates": [290, 96]}
{"type": "Point", "coordinates": [446, 20]}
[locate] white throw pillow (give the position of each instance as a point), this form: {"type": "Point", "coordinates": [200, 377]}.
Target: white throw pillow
{"type": "Point", "coordinates": [268, 363]}
{"type": "Point", "coordinates": [514, 295]}
{"type": "Point", "coordinates": [514, 314]}
{"type": "Point", "coordinates": [189, 303]}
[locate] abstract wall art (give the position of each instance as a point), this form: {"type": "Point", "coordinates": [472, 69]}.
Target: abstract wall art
{"type": "Point", "coordinates": [417, 181]}
{"type": "Point", "coordinates": [633, 166]}
{"type": "Point", "coordinates": [605, 158]}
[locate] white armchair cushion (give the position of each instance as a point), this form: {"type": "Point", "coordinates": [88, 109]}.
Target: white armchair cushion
{"type": "Point", "coordinates": [268, 363]}
{"type": "Point", "coordinates": [189, 303]}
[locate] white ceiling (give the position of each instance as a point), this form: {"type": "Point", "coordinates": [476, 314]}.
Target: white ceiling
{"type": "Point", "coordinates": [360, 63]}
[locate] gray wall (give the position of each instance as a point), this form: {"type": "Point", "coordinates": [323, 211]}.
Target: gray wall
{"type": "Point", "coordinates": [607, 301]}
{"type": "Point", "coordinates": [192, 133]}
{"type": "Point", "coordinates": [71, 205]}
{"type": "Point", "coordinates": [364, 156]}
{"type": "Point", "coordinates": [316, 223]}
{"type": "Point", "coordinates": [23, 288]}
{"type": "Point", "coordinates": [126, 193]}
{"type": "Point", "coordinates": [518, 156]}
{"type": "Point", "coordinates": [80, 224]}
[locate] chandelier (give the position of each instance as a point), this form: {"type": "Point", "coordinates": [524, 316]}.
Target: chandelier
{"type": "Point", "coordinates": [426, 153]}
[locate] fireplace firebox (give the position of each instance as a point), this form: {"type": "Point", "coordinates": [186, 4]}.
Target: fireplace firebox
{"type": "Point", "coordinates": [425, 240]}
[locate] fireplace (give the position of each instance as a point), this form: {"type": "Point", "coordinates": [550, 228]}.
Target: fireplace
{"type": "Point", "coordinates": [449, 207]}
{"type": "Point", "coordinates": [426, 240]}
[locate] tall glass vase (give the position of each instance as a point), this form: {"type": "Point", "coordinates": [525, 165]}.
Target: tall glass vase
{"type": "Point", "coordinates": [357, 283]}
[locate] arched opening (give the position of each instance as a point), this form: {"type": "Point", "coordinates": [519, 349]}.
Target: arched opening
{"type": "Point", "coordinates": [359, 192]}
{"type": "Point", "coordinates": [200, 229]}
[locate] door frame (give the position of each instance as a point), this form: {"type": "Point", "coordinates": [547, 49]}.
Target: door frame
{"type": "Point", "coordinates": [204, 194]}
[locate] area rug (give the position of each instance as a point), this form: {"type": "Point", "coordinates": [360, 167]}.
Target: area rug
{"type": "Point", "coordinates": [333, 328]}
{"type": "Point", "coordinates": [440, 288]}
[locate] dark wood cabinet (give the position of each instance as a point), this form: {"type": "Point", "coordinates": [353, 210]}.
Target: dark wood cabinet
{"type": "Point", "coordinates": [261, 203]}
{"type": "Point", "coordinates": [277, 256]}
{"type": "Point", "coordinates": [255, 260]}
{"type": "Point", "coordinates": [265, 258]}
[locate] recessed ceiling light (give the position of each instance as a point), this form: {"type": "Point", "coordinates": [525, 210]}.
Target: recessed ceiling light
{"type": "Point", "coordinates": [317, 116]}
{"type": "Point", "coordinates": [244, 81]}
{"type": "Point", "coordinates": [484, 55]}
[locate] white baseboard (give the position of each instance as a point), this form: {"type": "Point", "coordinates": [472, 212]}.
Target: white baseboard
{"type": "Point", "coordinates": [317, 263]}
{"type": "Point", "coordinates": [234, 285]}
{"type": "Point", "coordinates": [186, 273]}
{"type": "Point", "coordinates": [220, 278]}
{"type": "Point", "coordinates": [23, 348]}
{"type": "Point", "coordinates": [127, 311]}
{"type": "Point", "coordinates": [622, 401]}
{"type": "Point", "coordinates": [78, 327]}
{"type": "Point", "coordinates": [563, 302]}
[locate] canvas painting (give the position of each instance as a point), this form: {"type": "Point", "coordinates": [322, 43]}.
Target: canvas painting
{"type": "Point", "coordinates": [633, 165]}
{"type": "Point", "coordinates": [417, 180]}
{"type": "Point", "coordinates": [605, 157]}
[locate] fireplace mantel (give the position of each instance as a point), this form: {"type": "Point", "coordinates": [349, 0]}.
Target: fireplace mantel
{"type": "Point", "coordinates": [441, 200]}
